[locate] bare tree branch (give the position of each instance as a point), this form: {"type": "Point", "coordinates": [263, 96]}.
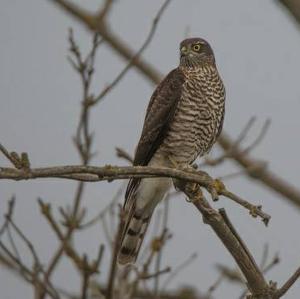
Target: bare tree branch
{"type": "Point", "coordinates": [109, 173]}
{"type": "Point", "coordinates": [11, 259]}
{"type": "Point", "coordinates": [293, 7]}
{"type": "Point", "coordinates": [121, 153]}
{"type": "Point", "coordinates": [288, 284]}
{"type": "Point", "coordinates": [83, 142]}
{"type": "Point", "coordinates": [261, 174]}
{"type": "Point", "coordinates": [232, 241]}
{"type": "Point", "coordinates": [93, 23]}
{"type": "Point", "coordinates": [136, 55]}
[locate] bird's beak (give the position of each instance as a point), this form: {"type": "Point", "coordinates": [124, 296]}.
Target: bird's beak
{"type": "Point", "coordinates": [184, 51]}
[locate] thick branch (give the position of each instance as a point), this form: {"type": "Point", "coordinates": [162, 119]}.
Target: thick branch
{"type": "Point", "coordinates": [231, 240]}
{"type": "Point", "coordinates": [106, 173]}
{"type": "Point", "coordinates": [110, 173]}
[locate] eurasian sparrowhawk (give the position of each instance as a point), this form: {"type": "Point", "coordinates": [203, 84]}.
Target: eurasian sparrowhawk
{"type": "Point", "coordinates": [183, 120]}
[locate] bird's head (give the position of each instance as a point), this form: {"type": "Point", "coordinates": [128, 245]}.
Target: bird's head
{"type": "Point", "coordinates": [195, 52]}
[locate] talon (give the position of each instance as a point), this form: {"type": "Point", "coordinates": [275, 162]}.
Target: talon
{"type": "Point", "coordinates": [253, 211]}
{"type": "Point", "coordinates": [218, 185]}
{"type": "Point", "coordinates": [156, 244]}
{"type": "Point", "coordinates": [194, 187]}
{"type": "Point", "coordinates": [216, 188]}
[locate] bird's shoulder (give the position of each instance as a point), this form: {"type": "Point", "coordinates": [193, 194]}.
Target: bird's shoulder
{"type": "Point", "coordinates": [168, 90]}
{"type": "Point", "coordinates": [159, 113]}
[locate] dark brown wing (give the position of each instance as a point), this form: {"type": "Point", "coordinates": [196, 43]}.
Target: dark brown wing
{"type": "Point", "coordinates": [159, 114]}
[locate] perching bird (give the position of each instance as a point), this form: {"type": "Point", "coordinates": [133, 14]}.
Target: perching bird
{"type": "Point", "coordinates": [183, 120]}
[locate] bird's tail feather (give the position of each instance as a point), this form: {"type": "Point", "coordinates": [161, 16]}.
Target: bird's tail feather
{"type": "Point", "coordinates": [134, 231]}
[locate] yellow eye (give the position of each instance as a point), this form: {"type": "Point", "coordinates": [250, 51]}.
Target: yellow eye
{"type": "Point", "coordinates": [196, 48]}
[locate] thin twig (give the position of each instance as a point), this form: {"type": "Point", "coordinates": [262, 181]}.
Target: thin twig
{"type": "Point", "coordinates": [27, 274]}
{"type": "Point", "coordinates": [121, 153]}
{"type": "Point", "coordinates": [159, 254]}
{"type": "Point", "coordinates": [104, 211]}
{"type": "Point", "coordinates": [12, 158]}
{"type": "Point", "coordinates": [8, 215]}
{"type": "Point", "coordinates": [262, 174]}
{"type": "Point", "coordinates": [179, 269]}
{"type": "Point", "coordinates": [254, 210]}
{"type": "Point", "coordinates": [264, 257]}
{"type": "Point", "coordinates": [113, 264]}
{"type": "Point", "coordinates": [259, 138]}
{"type": "Point", "coordinates": [83, 142]}
{"type": "Point", "coordinates": [215, 285]}
{"type": "Point", "coordinates": [27, 242]}
{"type": "Point", "coordinates": [136, 55]}
{"type": "Point", "coordinates": [242, 135]}
{"type": "Point", "coordinates": [13, 244]}
{"type": "Point", "coordinates": [288, 284]}
{"type": "Point", "coordinates": [156, 274]}
{"type": "Point", "coordinates": [104, 11]}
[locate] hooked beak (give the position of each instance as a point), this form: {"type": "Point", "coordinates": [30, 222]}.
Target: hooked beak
{"type": "Point", "coordinates": [184, 51]}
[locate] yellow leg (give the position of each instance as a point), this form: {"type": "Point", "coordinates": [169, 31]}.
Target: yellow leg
{"type": "Point", "coordinates": [173, 162]}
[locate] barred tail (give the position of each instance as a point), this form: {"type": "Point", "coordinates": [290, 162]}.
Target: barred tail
{"type": "Point", "coordinates": [139, 208]}
{"type": "Point", "coordinates": [134, 232]}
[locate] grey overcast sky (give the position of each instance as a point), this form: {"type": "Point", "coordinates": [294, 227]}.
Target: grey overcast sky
{"type": "Point", "coordinates": [257, 50]}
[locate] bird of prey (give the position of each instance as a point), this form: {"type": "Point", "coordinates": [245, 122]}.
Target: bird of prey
{"type": "Point", "coordinates": [183, 120]}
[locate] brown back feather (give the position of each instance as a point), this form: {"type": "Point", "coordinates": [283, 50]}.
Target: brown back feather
{"type": "Point", "coordinates": [159, 115]}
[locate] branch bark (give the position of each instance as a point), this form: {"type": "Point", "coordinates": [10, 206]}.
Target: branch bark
{"type": "Point", "coordinates": [221, 225]}
{"type": "Point", "coordinates": [288, 284]}
{"type": "Point", "coordinates": [110, 173]}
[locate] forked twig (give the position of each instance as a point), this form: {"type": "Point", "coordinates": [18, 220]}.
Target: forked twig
{"type": "Point", "coordinates": [135, 57]}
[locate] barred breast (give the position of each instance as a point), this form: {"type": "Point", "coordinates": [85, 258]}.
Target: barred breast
{"type": "Point", "coordinates": [198, 118]}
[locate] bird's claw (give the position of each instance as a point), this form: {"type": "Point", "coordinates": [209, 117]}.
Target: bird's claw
{"type": "Point", "coordinates": [216, 187]}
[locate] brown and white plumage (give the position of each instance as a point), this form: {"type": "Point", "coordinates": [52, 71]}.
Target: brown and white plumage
{"type": "Point", "coordinates": [183, 120]}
